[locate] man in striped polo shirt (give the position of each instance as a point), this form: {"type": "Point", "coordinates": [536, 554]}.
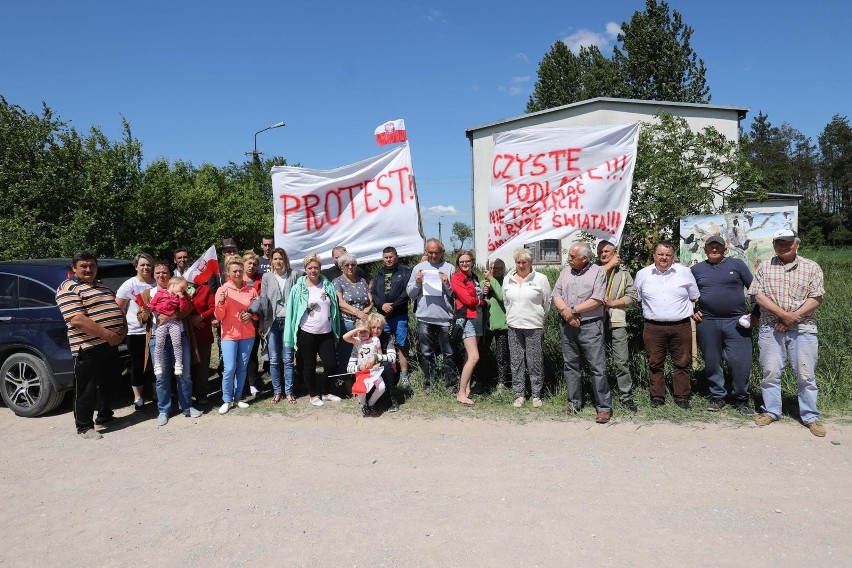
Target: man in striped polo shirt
{"type": "Point", "coordinates": [96, 326]}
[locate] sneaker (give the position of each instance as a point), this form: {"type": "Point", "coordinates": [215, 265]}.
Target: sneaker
{"type": "Point", "coordinates": [571, 409]}
{"type": "Point", "coordinates": [91, 434]}
{"type": "Point", "coordinates": [366, 410]}
{"type": "Point", "coordinates": [331, 398]}
{"type": "Point", "coordinates": [602, 417]}
{"type": "Point", "coordinates": [192, 413]}
{"type": "Point", "coordinates": [519, 402]}
{"type": "Point", "coordinates": [394, 406]}
{"type": "Point", "coordinates": [158, 370]}
{"type": "Point", "coordinates": [631, 406]}
{"type": "Point", "coordinates": [242, 404]}
{"type": "Point", "coordinates": [105, 420]}
{"type": "Point", "coordinates": [138, 404]}
{"type": "Point", "coordinates": [744, 408]}
{"type": "Point", "coordinates": [404, 382]}
{"type": "Point", "coordinates": [536, 402]}
{"type": "Point", "coordinates": [254, 390]}
{"type": "Point", "coordinates": [683, 403]}
{"type": "Point", "coordinates": [657, 402]}
{"type": "Point", "coordinates": [715, 405]}
{"type": "Point", "coordinates": [764, 419]}
{"type": "Point", "coordinates": [816, 428]}
{"type": "Point", "coordinates": [178, 369]}
{"type": "Point", "coordinates": [162, 419]}
{"type": "Point", "coordinates": [226, 407]}
{"type": "Point", "coordinates": [316, 401]}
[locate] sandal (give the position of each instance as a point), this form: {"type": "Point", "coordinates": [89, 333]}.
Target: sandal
{"type": "Point", "coordinates": [276, 399]}
{"type": "Point", "coordinates": [291, 399]}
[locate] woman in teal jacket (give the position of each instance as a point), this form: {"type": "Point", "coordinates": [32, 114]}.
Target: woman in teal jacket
{"type": "Point", "coordinates": [312, 327]}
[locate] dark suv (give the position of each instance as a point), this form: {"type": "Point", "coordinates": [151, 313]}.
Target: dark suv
{"type": "Point", "coordinates": [35, 360]}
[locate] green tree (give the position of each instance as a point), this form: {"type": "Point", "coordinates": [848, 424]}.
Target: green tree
{"type": "Point", "coordinates": [835, 144]}
{"type": "Point", "coordinates": [559, 81]}
{"type": "Point", "coordinates": [785, 161]}
{"type": "Point", "coordinates": [656, 61]}
{"type": "Point", "coordinates": [461, 233]}
{"type": "Point", "coordinates": [678, 172]}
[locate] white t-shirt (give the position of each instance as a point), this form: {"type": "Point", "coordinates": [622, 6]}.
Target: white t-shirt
{"type": "Point", "coordinates": [317, 318]}
{"type": "Point", "coordinates": [128, 291]}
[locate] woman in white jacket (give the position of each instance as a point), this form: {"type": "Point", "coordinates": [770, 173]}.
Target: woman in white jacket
{"type": "Point", "coordinates": [526, 295]}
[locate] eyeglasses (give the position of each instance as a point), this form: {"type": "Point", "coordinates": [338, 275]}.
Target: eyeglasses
{"type": "Point", "coordinates": [350, 264]}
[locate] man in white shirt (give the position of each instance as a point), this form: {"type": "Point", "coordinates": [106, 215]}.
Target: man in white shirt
{"type": "Point", "coordinates": [667, 292]}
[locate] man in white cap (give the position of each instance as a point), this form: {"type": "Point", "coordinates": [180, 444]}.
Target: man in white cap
{"type": "Point", "coordinates": [788, 289]}
{"type": "Point", "coordinates": [723, 325]}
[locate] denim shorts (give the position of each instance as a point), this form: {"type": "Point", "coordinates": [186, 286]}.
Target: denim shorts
{"type": "Point", "coordinates": [398, 326]}
{"type": "Point", "coordinates": [471, 327]}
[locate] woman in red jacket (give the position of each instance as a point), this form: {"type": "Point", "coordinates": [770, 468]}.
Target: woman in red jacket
{"type": "Point", "coordinates": [469, 303]}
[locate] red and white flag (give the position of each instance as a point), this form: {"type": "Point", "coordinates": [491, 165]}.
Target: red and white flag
{"type": "Point", "coordinates": [204, 268]}
{"type": "Point", "coordinates": [391, 132]}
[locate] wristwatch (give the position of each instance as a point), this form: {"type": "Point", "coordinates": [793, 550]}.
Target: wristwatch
{"type": "Point", "coordinates": [573, 311]}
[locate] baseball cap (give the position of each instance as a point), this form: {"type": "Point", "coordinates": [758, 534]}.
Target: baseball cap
{"type": "Point", "coordinates": [784, 235]}
{"type": "Point", "coordinates": [715, 239]}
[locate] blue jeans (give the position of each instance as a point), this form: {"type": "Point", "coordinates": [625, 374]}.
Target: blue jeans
{"type": "Point", "coordinates": [163, 383]}
{"type": "Point", "coordinates": [801, 350]}
{"type": "Point", "coordinates": [235, 358]}
{"type": "Point", "coordinates": [279, 355]}
{"type": "Point", "coordinates": [432, 337]}
{"type": "Point", "coordinates": [723, 338]}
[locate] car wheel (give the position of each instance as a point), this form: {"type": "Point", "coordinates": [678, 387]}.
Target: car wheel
{"type": "Point", "coordinates": [27, 387]}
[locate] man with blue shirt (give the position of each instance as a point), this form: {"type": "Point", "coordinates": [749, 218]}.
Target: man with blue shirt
{"type": "Point", "coordinates": [722, 330]}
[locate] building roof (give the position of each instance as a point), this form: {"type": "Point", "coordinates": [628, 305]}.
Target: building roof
{"type": "Point", "coordinates": [741, 111]}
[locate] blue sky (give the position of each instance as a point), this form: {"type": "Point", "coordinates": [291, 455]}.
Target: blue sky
{"type": "Point", "coordinates": [196, 80]}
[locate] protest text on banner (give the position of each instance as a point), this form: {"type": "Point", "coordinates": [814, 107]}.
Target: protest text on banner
{"type": "Point", "coordinates": [549, 182]}
{"type": "Point", "coordinates": [365, 206]}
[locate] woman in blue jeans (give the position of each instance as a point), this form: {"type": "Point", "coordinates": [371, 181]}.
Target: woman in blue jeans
{"type": "Point", "coordinates": [274, 290]}
{"type": "Point", "coordinates": [163, 384]}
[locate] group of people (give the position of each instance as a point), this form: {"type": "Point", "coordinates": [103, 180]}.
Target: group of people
{"type": "Point", "coordinates": [358, 328]}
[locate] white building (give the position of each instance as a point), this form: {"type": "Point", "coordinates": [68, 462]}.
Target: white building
{"type": "Point", "coordinates": [593, 112]}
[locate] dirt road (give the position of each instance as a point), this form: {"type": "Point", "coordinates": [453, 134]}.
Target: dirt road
{"type": "Point", "coordinates": [323, 487]}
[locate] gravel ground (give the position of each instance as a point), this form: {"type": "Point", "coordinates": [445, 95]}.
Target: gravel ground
{"type": "Point", "coordinates": [324, 487]}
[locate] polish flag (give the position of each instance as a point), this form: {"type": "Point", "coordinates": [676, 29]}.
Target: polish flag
{"type": "Point", "coordinates": [391, 132]}
{"type": "Point", "coordinates": [204, 268]}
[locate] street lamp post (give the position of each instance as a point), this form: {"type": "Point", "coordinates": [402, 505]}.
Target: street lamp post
{"type": "Point", "coordinates": [440, 238]}
{"type": "Point", "coordinates": [255, 154]}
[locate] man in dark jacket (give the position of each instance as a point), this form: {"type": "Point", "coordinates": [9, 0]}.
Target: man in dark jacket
{"type": "Point", "coordinates": [391, 299]}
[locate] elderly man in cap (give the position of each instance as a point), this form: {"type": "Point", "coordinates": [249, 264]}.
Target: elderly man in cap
{"type": "Point", "coordinates": [788, 289]}
{"type": "Point", "coordinates": [723, 323]}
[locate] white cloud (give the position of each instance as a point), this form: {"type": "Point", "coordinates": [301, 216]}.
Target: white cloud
{"type": "Point", "coordinates": [431, 15]}
{"type": "Point", "coordinates": [613, 29]}
{"type": "Point", "coordinates": [523, 79]}
{"type": "Point", "coordinates": [439, 211]}
{"type": "Point", "coordinates": [586, 38]}
{"type": "Point", "coordinates": [521, 57]}
{"type": "Point", "coordinates": [515, 91]}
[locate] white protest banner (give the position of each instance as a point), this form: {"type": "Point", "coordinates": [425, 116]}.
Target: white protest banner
{"type": "Point", "coordinates": [365, 206]}
{"type": "Point", "coordinates": [547, 183]}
